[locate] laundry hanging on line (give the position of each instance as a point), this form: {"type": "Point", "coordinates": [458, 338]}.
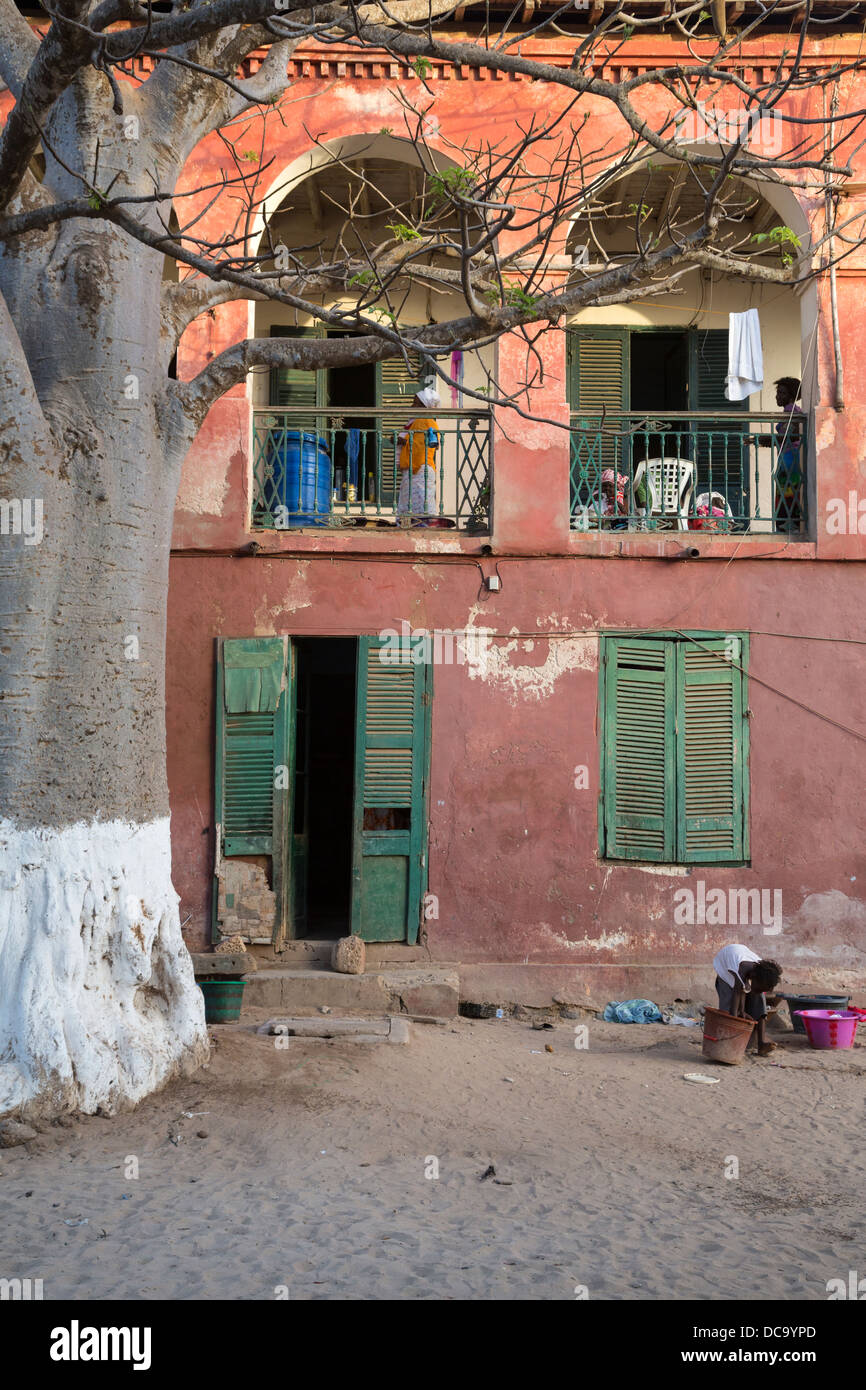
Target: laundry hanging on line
{"type": "Point", "coordinates": [745, 357]}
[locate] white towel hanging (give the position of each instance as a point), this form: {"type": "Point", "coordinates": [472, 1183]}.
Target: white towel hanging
{"type": "Point", "coordinates": [745, 358]}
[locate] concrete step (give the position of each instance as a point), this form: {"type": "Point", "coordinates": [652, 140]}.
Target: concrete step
{"type": "Point", "coordinates": [431, 992]}
{"type": "Point", "coordinates": [381, 955]}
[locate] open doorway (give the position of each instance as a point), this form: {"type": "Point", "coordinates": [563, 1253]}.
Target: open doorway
{"type": "Point", "coordinates": [660, 371]}
{"type": "Point", "coordinates": [324, 781]}
{"type": "Point", "coordinates": [659, 384]}
{"type": "Point", "coordinates": [354, 445]}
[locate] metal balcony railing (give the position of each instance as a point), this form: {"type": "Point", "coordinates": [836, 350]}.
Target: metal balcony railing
{"type": "Point", "coordinates": [318, 467]}
{"type": "Point", "coordinates": [695, 471]}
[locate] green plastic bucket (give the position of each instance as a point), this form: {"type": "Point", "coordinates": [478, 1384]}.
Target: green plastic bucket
{"type": "Point", "coordinates": [222, 1000]}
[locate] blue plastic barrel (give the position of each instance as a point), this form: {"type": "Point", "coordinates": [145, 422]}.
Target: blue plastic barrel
{"type": "Point", "coordinates": [301, 480]}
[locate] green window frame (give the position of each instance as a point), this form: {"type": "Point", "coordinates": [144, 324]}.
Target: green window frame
{"type": "Point", "coordinates": [674, 747]}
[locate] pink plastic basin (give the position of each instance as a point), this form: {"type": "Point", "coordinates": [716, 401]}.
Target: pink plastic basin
{"type": "Point", "coordinates": [829, 1027]}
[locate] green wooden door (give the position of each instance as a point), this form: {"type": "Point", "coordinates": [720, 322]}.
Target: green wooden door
{"type": "Point", "coordinates": [390, 816]}
{"type": "Point", "coordinates": [295, 386]}
{"type": "Point", "coordinates": [252, 783]}
{"type": "Point", "coordinates": [300, 838]}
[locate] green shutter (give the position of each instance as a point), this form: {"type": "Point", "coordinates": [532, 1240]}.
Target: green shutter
{"type": "Point", "coordinates": [708, 354]}
{"type": "Point", "coordinates": [292, 386]}
{"type": "Point", "coordinates": [674, 750]}
{"type": "Point", "coordinates": [710, 759]}
{"type": "Point", "coordinates": [639, 750]}
{"type": "Point", "coordinates": [396, 384]}
{"type": "Point", "coordinates": [598, 384]}
{"type": "Point", "coordinates": [719, 449]}
{"type": "Point", "coordinates": [390, 769]}
{"type": "Point", "coordinates": [251, 743]}
{"type": "Point", "coordinates": [598, 370]}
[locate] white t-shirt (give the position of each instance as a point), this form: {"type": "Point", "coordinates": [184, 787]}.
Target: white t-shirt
{"type": "Point", "coordinates": [727, 963]}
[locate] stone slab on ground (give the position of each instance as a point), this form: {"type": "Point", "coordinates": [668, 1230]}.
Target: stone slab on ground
{"type": "Point", "coordinates": [391, 1029]}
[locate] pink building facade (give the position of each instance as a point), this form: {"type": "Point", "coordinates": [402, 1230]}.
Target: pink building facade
{"type": "Point", "coordinates": [646, 737]}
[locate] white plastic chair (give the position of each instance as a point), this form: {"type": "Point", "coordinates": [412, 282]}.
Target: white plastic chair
{"type": "Point", "coordinates": [671, 483]}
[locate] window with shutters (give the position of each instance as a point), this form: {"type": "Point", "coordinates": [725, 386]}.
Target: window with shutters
{"type": "Point", "coordinates": [674, 754]}
{"type": "Point", "coordinates": [656, 444]}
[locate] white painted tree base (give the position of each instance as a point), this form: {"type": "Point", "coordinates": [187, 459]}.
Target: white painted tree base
{"type": "Point", "coordinates": [98, 1003]}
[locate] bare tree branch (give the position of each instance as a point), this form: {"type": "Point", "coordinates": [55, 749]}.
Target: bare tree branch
{"type": "Point", "coordinates": [18, 47]}
{"type": "Point", "coordinates": [61, 54]}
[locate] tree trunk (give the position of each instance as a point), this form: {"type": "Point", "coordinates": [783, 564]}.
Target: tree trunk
{"type": "Point", "coordinates": [98, 1005]}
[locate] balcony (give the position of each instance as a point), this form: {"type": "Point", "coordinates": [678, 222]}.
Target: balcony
{"type": "Point", "coordinates": [743, 473]}
{"type": "Point", "coordinates": [315, 468]}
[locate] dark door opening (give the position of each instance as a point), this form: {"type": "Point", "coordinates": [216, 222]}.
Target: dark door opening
{"type": "Point", "coordinates": [354, 445]}
{"type": "Point", "coordinates": [659, 386]}
{"type": "Point", "coordinates": [324, 781]}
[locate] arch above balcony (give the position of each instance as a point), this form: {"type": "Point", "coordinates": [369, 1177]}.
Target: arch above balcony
{"type": "Point", "coordinates": [667, 196]}
{"type": "Point", "coordinates": [377, 147]}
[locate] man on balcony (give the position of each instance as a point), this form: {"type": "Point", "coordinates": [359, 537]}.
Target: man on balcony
{"type": "Point", "coordinates": [420, 443]}
{"type": "Point", "coordinates": [789, 473]}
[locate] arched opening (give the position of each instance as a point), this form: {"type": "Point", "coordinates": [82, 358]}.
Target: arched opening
{"type": "Point", "coordinates": [348, 215]}
{"type": "Point", "coordinates": [659, 367]}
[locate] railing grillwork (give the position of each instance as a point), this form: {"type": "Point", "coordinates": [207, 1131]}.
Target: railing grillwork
{"type": "Point", "coordinates": [694, 471]}
{"type": "Point", "coordinates": [323, 468]}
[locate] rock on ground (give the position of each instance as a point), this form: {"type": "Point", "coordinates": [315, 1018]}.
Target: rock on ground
{"type": "Point", "coordinates": [349, 956]}
{"type": "Point", "coordinates": [12, 1133]}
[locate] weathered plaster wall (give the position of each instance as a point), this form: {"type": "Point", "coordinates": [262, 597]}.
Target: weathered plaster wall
{"type": "Point", "coordinates": [513, 841]}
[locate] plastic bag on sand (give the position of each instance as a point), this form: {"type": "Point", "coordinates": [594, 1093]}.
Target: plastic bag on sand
{"type": "Point", "coordinates": [633, 1011]}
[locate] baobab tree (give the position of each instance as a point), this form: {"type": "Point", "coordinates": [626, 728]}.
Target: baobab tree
{"type": "Point", "coordinates": [98, 1005]}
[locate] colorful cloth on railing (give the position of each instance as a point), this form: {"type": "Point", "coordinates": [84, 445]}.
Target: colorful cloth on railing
{"type": "Point", "coordinates": [613, 493]}
{"type": "Point", "coordinates": [353, 448]}
{"type": "Point", "coordinates": [417, 495]}
{"type": "Point", "coordinates": [419, 444]}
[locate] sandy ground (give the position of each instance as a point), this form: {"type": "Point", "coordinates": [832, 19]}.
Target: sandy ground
{"type": "Point", "coordinates": [310, 1175]}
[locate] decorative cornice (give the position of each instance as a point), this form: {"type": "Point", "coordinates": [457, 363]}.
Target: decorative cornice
{"type": "Point", "coordinates": [758, 63]}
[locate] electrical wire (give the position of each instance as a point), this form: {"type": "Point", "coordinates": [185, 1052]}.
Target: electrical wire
{"type": "Point", "coordinates": [750, 676]}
